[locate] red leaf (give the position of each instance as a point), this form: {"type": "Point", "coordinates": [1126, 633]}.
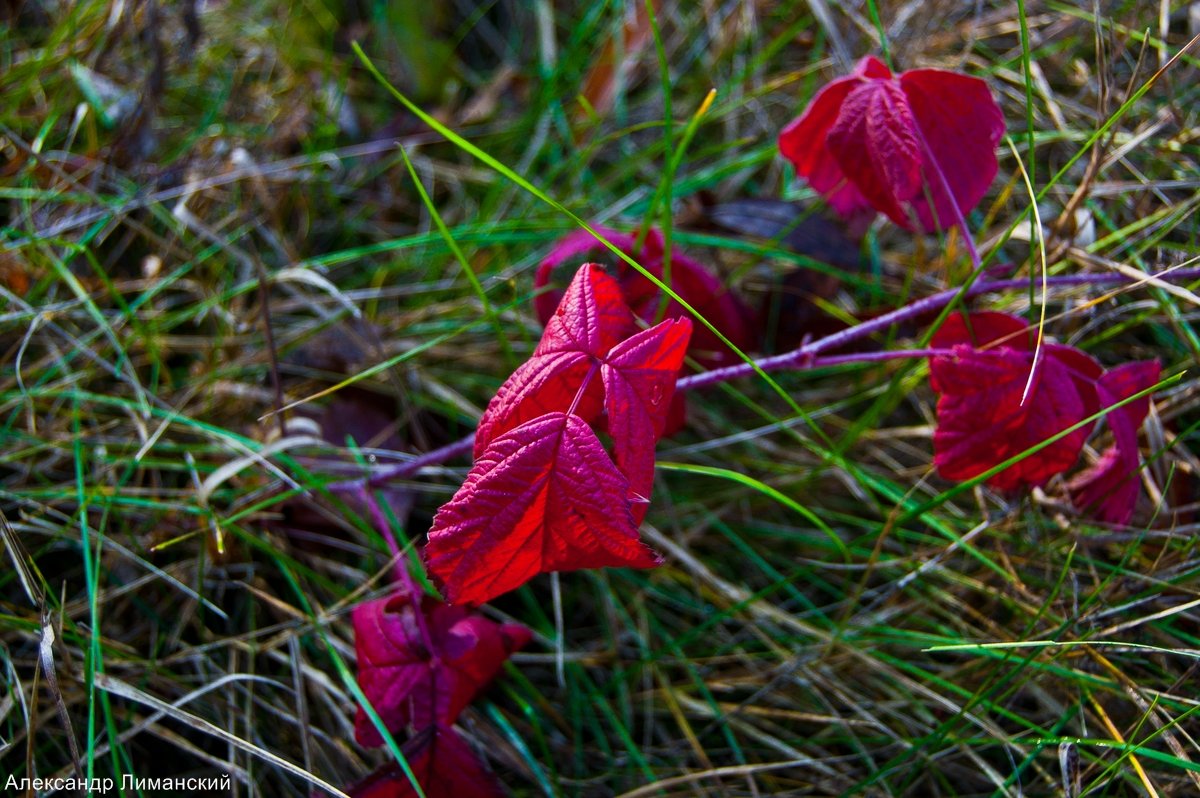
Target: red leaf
{"type": "Point", "coordinates": [589, 320]}
{"type": "Point", "coordinates": [992, 331]}
{"type": "Point", "coordinates": [573, 249]}
{"type": "Point", "coordinates": [981, 420]}
{"type": "Point", "coordinates": [407, 682]}
{"type": "Point", "coordinates": [693, 281]}
{"type": "Point", "coordinates": [1109, 489]}
{"type": "Point", "coordinates": [874, 139]}
{"type": "Point", "coordinates": [803, 143]}
{"type": "Point", "coordinates": [591, 317]}
{"type": "Point", "coordinates": [984, 329]}
{"type": "Point", "coordinates": [542, 497]}
{"type": "Point", "coordinates": [961, 125]}
{"type": "Point", "coordinates": [639, 382]}
{"type": "Point", "coordinates": [444, 766]}
{"type": "Point", "coordinates": [676, 417]}
{"type": "Point", "coordinates": [882, 141]}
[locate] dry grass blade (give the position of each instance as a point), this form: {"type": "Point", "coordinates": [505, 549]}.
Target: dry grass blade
{"type": "Point", "coordinates": [46, 660]}
{"type": "Point", "coordinates": [715, 773]}
{"type": "Point", "coordinates": [117, 687]}
{"type": "Point", "coordinates": [19, 558]}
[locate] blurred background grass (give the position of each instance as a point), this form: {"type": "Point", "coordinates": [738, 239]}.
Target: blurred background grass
{"type": "Point", "coordinates": [168, 167]}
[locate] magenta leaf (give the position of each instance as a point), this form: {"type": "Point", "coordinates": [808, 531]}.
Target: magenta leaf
{"type": "Point", "coordinates": [443, 764]}
{"type": "Point", "coordinates": [883, 141]}
{"type": "Point", "coordinates": [542, 497]}
{"type": "Point", "coordinates": [1109, 489]}
{"type": "Point", "coordinates": [981, 419]}
{"type": "Point", "coordinates": [639, 383]}
{"type": "Point", "coordinates": [590, 319]}
{"type": "Point", "coordinates": [409, 683]}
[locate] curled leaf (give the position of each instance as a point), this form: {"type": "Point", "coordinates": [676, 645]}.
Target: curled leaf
{"type": "Point", "coordinates": [961, 124]}
{"type": "Point", "coordinates": [874, 139]}
{"type": "Point", "coordinates": [981, 419]}
{"type": "Point", "coordinates": [1109, 489]}
{"type": "Point", "coordinates": [411, 683]}
{"type": "Point", "coordinates": [924, 139]}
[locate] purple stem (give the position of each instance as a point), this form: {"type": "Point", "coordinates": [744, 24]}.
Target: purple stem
{"type": "Point", "coordinates": [875, 357]}
{"type": "Point", "coordinates": [409, 468]}
{"type": "Point", "coordinates": [799, 357]}
{"type": "Point", "coordinates": [803, 358]}
{"type": "Point", "coordinates": [379, 518]}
